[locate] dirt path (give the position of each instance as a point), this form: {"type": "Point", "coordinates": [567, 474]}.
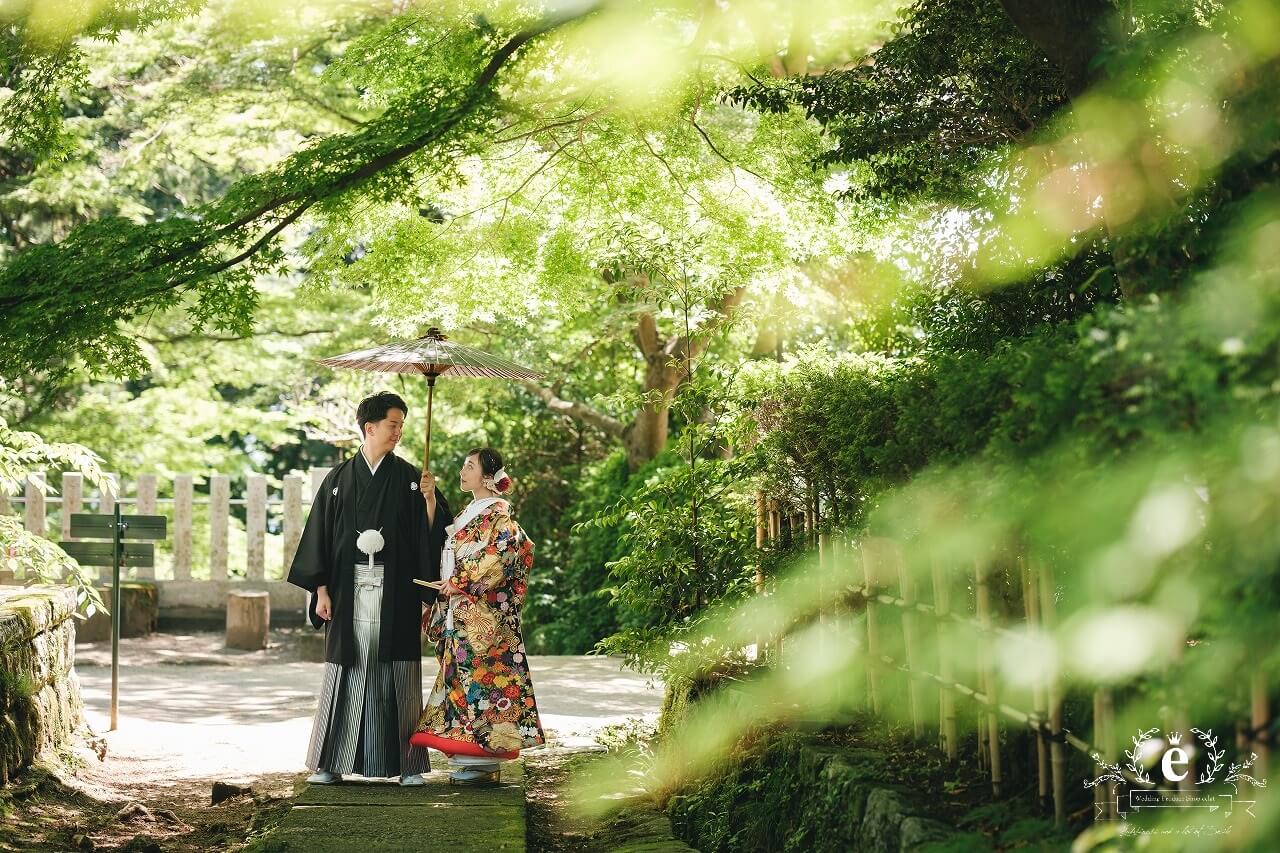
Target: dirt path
{"type": "Point", "coordinates": [192, 713]}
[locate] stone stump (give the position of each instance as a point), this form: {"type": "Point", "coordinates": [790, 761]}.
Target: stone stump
{"type": "Point", "coordinates": [248, 619]}
{"type": "Point", "coordinates": [139, 613]}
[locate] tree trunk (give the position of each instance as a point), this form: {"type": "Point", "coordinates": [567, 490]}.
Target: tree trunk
{"type": "Point", "coordinates": [663, 372]}
{"type": "Point", "coordinates": [665, 359]}
{"type": "Point", "coordinates": [665, 363]}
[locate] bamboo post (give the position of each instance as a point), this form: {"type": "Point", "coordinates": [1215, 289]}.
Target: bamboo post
{"type": "Point", "coordinates": [762, 532]}
{"type": "Point", "coordinates": [873, 627]}
{"type": "Point", "coordinates": [826, 559]}
{"type": "Point", "coordinates": [817, 512]}
{"type": "Point", "coordinates": [255, 527]}
{"type": "Point", "coordinates": [988, 675]}
{"type": "Point", "coordinates": [219, 510]}
{"type": "Point", "coordinates": [146, 505]}
{"type": "Point", "coordinates": [33, 510]}
{"type": "Point", "coordinates": [946, 699]}
{"type": "Point", "coordinates": [1099, 740]}
{"type": "Point", "coordinates": [907, 584]}
{"type": "Point", "coordinates": [1260, 724]}
{"type": "Point", "coordinates": [823, 554]}
{"type": "Point", "coordinates": [72, 499]}
{"type": "Point", "coordinates": [1109, 748]}
{"type": "Point", "coordinates": [7, 576]}
{"type": "Point", "coordinates": [292, 529]}
{"type": "Point", "coordinates": [183, 493]}
{"type": "Point", "coordinates": [984, 745]}
{"type": "Point", "coordinates": [1057, 748]}
{"type": "Point", "coordinates": [761, 528]}
{"type": "Point", "coordinates": [980, 718]}
{"type": "Point", "coordinates": [1031, 604]}
{"type": "Point", "coordinates": [775, 539]}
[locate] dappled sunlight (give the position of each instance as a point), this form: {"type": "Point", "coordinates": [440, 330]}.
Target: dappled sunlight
{"type": "Point", "coordinates": [201, 696]}
{"type": "Point", "coordinates": [905, 368]}
{"type": "Point", "coordinates": [248, 718]}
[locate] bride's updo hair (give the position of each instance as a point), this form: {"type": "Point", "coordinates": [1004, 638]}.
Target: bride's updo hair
{"type": "Point", "coordinates": [491, 468]}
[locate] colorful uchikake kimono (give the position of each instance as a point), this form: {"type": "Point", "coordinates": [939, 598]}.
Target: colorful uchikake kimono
{"type": "Point", "coordinates": [483, 694]}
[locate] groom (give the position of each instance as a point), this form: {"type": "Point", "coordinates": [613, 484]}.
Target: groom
{"type": "Point", "coordinates": [369, 605]}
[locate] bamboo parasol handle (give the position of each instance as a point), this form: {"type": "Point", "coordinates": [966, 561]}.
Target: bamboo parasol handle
{"type": "Point", "coordinates": [426, 447]}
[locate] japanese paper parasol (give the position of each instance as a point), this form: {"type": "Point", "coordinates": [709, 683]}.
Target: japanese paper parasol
{"type": "Point", "coordinates": [433, 355]}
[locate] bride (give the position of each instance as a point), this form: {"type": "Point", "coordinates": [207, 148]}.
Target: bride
{"type": "Point", "coordinates": [483, 694]}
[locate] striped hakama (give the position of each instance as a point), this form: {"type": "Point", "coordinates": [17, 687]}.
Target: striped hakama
{"type": "Point", "coordinates": [368, 711]}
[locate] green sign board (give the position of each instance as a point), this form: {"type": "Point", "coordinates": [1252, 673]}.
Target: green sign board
{"type": "Point", "coordinates": [118, 554]}
{"type": "Point", "coordinates": [93, 526]}
{"type": "Point", "coordinates": [104, 553]}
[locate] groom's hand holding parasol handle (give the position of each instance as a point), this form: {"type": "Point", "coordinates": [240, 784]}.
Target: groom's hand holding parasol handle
{"type": "Point", "coordinates": [427, 485]}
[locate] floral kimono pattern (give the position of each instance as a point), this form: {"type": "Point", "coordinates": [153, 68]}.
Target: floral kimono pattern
{"type": "Point", "coordinates": [483, 693]}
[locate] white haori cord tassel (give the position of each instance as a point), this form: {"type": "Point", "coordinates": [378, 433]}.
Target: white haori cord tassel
{"type": "Point", "coordinates": [370, 542]}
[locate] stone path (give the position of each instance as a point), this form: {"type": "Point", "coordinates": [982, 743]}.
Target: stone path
{"type": "Point", "coordinates": [382, 817]}
{"type": "Point", "coordinates": [192, 713]}
{"type": "Point", "coordinates": [199, 715]}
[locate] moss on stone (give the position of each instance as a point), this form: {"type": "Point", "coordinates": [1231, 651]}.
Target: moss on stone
{"type": "Point", "coordinates": [785, 792]}
{"type": "Point", "coordinates": [19, 685]}
{"type": "Point", "coordinates": [40, 704]}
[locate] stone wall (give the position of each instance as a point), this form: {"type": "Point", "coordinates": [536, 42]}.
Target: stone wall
{"type": "Point", "coordinates": [203, 604]}
{"type": "Point", "coordinates": [787, 793]}
{"type": "Point", "coordinates": [789, 789]}
{"type": "Point", "coordinates": [39, 693]}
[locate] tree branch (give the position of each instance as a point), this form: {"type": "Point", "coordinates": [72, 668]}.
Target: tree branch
{"type": "Point", "coordinates": [646, 334]}
{"type": "Point", "coordinates": [109, 271]}
{"type": "Point", "coordinates": [258, 333]}
{"type": "Point", "coordinates": [578, 411]}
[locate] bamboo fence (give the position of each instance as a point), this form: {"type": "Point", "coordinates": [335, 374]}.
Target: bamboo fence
{"type": "Point", "coordinates": [889, 587]}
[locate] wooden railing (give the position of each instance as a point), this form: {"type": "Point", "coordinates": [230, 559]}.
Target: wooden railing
{"type": "Point", "coordinates": [199, 546]}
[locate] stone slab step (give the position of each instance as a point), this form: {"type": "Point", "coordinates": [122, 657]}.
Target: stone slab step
{"type": "Point", "coordinates": [372, 816]}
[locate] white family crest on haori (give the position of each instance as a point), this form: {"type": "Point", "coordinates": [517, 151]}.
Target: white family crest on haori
{"type": "Point", "coordinates": [370, 542]}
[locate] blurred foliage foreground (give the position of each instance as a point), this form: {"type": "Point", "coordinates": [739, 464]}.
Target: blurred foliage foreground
{"type": "Point", "coordinates": [1029, 292]}
{"type": "Point", "coordinates": [1101, 488]}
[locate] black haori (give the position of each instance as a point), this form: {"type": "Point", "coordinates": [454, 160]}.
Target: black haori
{"type": "Point", "coordinates": [372, 643]}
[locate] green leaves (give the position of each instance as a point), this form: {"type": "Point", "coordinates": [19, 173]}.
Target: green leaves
{"type": "Point", "coordinates": [924, 112]}
{"type": "Point", "coordinates": [111, 270]}
{"type": "Point", "coordinates": [22, 453]}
